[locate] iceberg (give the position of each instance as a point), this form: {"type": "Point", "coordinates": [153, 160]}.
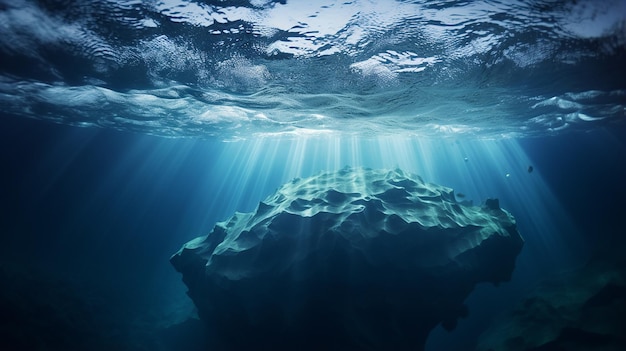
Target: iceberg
{"type": "Point", "coordinates": [356, 259]}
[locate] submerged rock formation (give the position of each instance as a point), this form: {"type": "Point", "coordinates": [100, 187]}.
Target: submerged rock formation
{"type": "Point", "coordinates": [357, 259]}
{"type": "Point", "coordinates": [584, 309]}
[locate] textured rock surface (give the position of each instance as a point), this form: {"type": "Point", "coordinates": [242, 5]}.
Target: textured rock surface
{"type": "Point", "coordinates": [357, 259]}
{"type": "Point", "coordinates": [579, 310]}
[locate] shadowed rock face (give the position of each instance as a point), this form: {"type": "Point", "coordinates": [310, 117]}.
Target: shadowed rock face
{"type": "Point", "coordinates": [357, 259]}
{"type": "Point", "coordinates": [583, 309]}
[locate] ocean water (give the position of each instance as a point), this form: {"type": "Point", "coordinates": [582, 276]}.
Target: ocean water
{"type": "Point", "coordinates": [131, 127]}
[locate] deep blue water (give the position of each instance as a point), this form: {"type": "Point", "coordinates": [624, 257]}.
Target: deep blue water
{"type": "Point", "coordinates": [131, 127]}
{"type": "Point", "coordinates": [99, 212]}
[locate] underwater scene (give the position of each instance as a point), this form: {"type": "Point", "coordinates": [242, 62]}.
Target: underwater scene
{"type": "Point", "coordinates": [313, 175]}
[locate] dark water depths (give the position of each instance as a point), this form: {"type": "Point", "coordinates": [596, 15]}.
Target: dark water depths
{"type": "Point", "coordinates": [169, 116]}
{"type": "Point", "coordinates": [91, 216]}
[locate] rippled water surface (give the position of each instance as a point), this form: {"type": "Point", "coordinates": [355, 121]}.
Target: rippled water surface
{"type": "Point", "coordinates": [237, 69]}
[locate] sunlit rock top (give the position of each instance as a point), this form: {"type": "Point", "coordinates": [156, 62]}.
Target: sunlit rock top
{"type": "Point", "coordinates": [368, 259]}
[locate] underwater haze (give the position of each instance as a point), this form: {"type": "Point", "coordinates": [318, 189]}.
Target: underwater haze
{"type": "Point", "coordinates": [133, 132]}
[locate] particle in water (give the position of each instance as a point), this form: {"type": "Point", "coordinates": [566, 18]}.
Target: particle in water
{"type": "Point", "coordinates": [530, 169]}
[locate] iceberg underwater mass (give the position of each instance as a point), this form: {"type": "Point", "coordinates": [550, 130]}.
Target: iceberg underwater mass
{"type": "Point", "coordinates": [372, 175]}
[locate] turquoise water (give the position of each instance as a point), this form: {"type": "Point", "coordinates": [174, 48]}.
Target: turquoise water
{"type": "Point", "coordinates": [132, 127]}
